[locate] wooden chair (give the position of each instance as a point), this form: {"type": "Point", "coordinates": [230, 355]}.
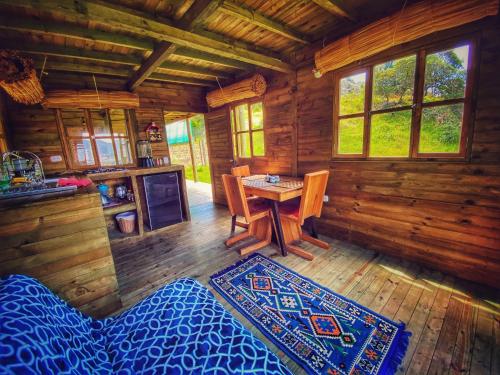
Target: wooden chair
{"type": "Point", "coordinates": [242, 171]}
{"type": "Point", "coordinates": [293, 215]}
{"type": "Point", "coordinates": [255, 211]}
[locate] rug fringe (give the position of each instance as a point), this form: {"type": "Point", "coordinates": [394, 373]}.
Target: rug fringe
{"type": "Point", "coordinates": [395, 360]}
{"type": "Point", "coordinates": [235, 265]}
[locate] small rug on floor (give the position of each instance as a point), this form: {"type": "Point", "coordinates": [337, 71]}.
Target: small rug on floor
{"type": "Point", "coordinates": [321, 330]}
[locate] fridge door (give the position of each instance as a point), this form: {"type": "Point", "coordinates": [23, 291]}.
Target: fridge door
{"type": "Point", "coordinates": [163, 200]}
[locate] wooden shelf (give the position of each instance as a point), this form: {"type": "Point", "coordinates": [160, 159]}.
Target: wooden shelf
{"type": "Point", "coordinates": [122, 207]}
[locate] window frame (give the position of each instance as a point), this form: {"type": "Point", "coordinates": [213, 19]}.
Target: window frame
{"type": "Point", "coordinates": [66, 140]}
{"type": "Point", "coordinates": [421, 52]}
{"type": "Point", "coordinates": [250, 131]}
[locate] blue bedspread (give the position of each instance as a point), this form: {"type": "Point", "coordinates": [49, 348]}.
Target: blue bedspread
{"type": "Point", "coordinates": [179, 329]}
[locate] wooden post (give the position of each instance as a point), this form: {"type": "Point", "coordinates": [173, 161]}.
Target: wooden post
{"type": "Point", "coordinates": [191, 150]}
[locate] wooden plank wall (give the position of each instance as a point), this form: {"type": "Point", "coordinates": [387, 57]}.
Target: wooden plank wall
{"type": "Point", "coordinates": [63, 243]}
{"type": "Point", "coordinates": [444, 215]}
{"type": "Point", "coordinates": [33, 128]}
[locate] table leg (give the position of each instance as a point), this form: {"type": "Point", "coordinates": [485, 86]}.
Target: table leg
{"type": "Point", "coordinates": [278, 227]}
{"type": "Point", "coordinates": [314, 234]}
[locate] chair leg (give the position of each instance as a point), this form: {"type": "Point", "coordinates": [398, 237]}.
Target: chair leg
{"type": "Point", "coordinates": [315, 241]}
{"type": "Point", "coordinates": [300, 252]}
{"type": "Point", "coordinates": [240, 236]}
{"type": "Point", "coordinates": [262, 230]}
{"type": "Point", "coordinates": [242, 224]}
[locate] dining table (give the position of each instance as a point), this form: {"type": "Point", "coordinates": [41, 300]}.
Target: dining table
{"type": "Point", "coordinates": [285, 189]}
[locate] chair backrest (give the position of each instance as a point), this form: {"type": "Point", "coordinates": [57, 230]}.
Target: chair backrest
{"type": "Point", "coordinates": [242, 171]}
{"type": "Point", "coordinates": [235, 195]}
{"type": "Point", "coordinates": [311, 202]}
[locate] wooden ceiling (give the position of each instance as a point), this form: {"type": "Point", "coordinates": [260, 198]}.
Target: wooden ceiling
{"type": "Point", "coordinates": [196, 42]}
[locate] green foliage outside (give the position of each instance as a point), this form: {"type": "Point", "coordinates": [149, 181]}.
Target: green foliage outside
{"type": "Point", "coordinates": [393, 87]}
{"type": "Point", "coordinates": [203, 173]}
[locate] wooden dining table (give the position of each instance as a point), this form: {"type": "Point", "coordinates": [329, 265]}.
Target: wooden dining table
{"type": "Point", "coordinates": [287, 188]}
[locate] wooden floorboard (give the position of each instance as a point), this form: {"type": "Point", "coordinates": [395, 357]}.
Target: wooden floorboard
{"type": "Point", "coordinates": [454, 323]}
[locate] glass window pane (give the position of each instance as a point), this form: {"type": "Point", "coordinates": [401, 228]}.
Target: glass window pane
{"type": "Point", "coordinates": [446, 74]}
{"type": "Point", "coordinates": [441, 128]}
{"type": "Point", "coordinates": [393, 83]}
{"type": "Point", "coordinates": [82, 151]}
{"type": "Point", "coordinates": [244, 145]}
{"type": "Point", "coordinates": [75, 122]}
{"type": "Point", "coordinates": [390, 134]}
{"type": "Point", "coordinates": [118, 122]}
{"type": "Point", "coordinates": [351, 136]}
{"type": "Point", "coordinates": [123, 151]}
{"type": "Point", "coordinates": [352, 94]}
{"type": "Point", "coordinates": [235, 149]}
{"type": "Point", "coordinates": [257, 116]}
{"type": "Point", "coordinates": [100, 122]}
{"type": "Point", "coordinates": [105, 151]}
{"type": "Point", "coordinates": [241, 113]}
{"type": "Point", "coordinates": [258, 143]}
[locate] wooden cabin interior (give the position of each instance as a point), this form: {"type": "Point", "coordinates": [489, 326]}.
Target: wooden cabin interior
{"type": "Point", "coordinates": [355, 143]}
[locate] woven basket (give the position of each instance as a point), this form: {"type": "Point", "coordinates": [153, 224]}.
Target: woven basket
{"type": "Point", "coordinates": [245, 89]}
{"type": "Point", "coordinates": [18, 78]}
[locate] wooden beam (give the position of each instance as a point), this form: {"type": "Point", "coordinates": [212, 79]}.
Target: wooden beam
{"type": "Point", "coordinates": [75, 32]}
{"type": "Point", "coordinates": [119, 72]}
{"type": "Point", "coordinates": [159, 55]}
{"type": "Point", "coordinates": [214, 59]}
{"type": "Point", "coordinates": [139, 23]}
{"type": "Point", "coordinates": [199, 13]}
{"type": "Point", "coordinates": [255, 18]}
{"type": "Point", "coordinates": [338, 8]}
{"type": "Point", "coordinates": [106, 57]}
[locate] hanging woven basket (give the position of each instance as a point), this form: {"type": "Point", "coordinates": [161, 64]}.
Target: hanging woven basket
{"type": "Point", "coordinates": [18, 78]}
{"type": "Point", "coordinates": [245, 89]}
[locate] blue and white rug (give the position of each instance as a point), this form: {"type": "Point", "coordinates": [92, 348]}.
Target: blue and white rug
{"type": "Point", "coordinates": [321, 330]}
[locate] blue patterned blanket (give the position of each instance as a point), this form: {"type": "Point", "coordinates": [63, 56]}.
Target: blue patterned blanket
{"type": "Point", "coordinates": [321, 330]}
{"type": "Point", "coordinates": [179, 329]}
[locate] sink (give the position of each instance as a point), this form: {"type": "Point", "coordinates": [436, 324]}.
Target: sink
{"type": "Point", "coordinates": [30, 193]}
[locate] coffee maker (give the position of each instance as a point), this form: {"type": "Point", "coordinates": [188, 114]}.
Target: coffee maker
{"type": "Point", "coordinates": [145, 154]}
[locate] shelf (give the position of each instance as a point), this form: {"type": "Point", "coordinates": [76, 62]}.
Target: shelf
{"type": "Point", "coordinates": [115, 235]}
{"type": "Point", "coordinates": [118, 208]}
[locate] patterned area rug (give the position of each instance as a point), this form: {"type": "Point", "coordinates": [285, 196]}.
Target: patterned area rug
{"type": "Point", "coordinates": [323, 331]}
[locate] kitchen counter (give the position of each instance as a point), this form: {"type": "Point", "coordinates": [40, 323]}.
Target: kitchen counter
{"type": "Point", "coordinates": [63, 242]}
{"type": "Point", "coordinates": [135, 172]}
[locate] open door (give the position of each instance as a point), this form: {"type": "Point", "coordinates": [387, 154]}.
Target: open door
{"type": "Point", "coordinates": [220, 150]}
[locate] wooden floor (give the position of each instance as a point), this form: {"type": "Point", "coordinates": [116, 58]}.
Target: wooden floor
{"type": "Point", "coordinates": [455, 324]}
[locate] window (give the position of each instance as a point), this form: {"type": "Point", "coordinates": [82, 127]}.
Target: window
{"type": "Point", "coordinates": [413, 106]}
{"type": "Point", "coordinates": [102, 133]}
{"type": "Point", "coordinates": [247, 128]}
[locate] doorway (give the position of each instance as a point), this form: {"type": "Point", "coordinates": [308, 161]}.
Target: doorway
{"type": "Point", "coordinates": [187, 143]}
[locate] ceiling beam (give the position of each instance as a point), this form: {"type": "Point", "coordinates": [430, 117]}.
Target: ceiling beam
{"type": "Point", "coordinates": [139, 23]}
{"type": "Point", "coordinates": [107, 57]}
{"type": "Point", "coordinates": [118, 72]}
{"type": "Point", "coordinates": [200, 9]}
{"type": "Point", "coordinates": [255, 18]}
{"type": "Point", "coordinates": [199, 13]}
{"type": "Point", "coordinates": [75, 32]}
{"type": "Point", "coordinates": [159, 55]}
{"type": "Point", "coordinates": [338, 8]}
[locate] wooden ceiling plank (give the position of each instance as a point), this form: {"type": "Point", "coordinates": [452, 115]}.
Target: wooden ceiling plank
{"type": "Point", "coordinates": [75, 32]}
{"type": "Point", "coordinates": [131, 21]}
{"type": "Point", "coordinates": [118, 72]}
{"type": "Point", "coordinates": [106, 57]}
{"type": "Point", "coordinates": [39, 26]}
{"type": "Point", "coordinates": [159, 55]}
{"type": "Point", "coordinates": [338, 8]}
{"type": "Point", "coordinates": [255, 18]}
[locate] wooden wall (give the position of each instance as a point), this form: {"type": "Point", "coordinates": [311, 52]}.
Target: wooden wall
{"type": "Point", "coordinates": [442, 214]}
{"type": "Point", "coordinates": [34, 129]}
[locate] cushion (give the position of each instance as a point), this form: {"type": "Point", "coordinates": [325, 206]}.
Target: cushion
{"type": "Point", "coordinates": [181, 328]}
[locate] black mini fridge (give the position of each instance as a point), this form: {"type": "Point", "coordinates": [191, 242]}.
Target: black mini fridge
{"type": "Point", "coordinates": [163, 200]}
